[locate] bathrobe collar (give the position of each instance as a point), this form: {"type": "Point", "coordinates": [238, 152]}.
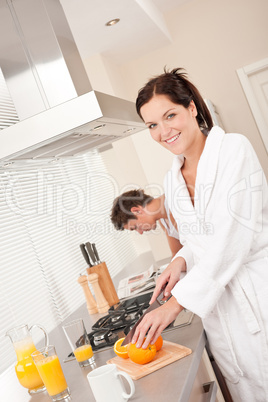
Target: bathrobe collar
{"type": "Point", "coordinates": [208, 166]}
{"type": "Point", "coordinates": [206, 172]}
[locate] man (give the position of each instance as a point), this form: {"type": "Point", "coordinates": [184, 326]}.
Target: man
{"type": "Point", "coordinates": [135, 210]}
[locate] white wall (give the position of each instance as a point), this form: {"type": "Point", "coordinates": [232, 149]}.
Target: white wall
{"type": "Point", "coordinates": [105, 76]}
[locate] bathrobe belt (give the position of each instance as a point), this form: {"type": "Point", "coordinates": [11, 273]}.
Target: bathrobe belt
{"type": "Point", "coordinates": [241, 287]}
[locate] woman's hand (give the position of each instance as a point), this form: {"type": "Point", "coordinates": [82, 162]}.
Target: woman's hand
{"type": "Point", "coordinates": [155, 322]}
{"type": "Point", "coordinates": [168, 279]}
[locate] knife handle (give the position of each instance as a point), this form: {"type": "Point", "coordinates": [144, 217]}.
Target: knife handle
{"type": "Point", "coordinates": [85, 254]}
{"type": "Point", "coordinates": [91, 253]}
{"type": "Point", "coordinates": [96, 252]}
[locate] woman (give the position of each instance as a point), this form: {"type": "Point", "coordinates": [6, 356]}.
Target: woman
{"type": "Point", "coordinates": [217, 193]}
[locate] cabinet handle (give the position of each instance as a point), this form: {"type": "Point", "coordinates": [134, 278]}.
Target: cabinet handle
{"type": "Point", "coordinates": [210, 389]}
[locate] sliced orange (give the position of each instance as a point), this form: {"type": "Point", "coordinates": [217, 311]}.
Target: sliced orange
{"type": "Point", "coordinates": [121, 351]}
{"type": "Point", "coordinates": [140, 355]}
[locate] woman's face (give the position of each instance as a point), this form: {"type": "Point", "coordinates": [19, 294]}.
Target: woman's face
{"type": "Point", "coordinates": [171, 125]}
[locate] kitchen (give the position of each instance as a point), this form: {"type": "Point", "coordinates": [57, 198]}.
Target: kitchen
{"type": "Point", "coordinates": [127, 161]}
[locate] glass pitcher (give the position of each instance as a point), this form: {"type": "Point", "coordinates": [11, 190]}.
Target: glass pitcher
{"type": "Point", "coordinates": [25, 368]}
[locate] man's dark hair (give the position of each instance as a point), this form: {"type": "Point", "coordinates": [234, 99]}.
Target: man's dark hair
{"type": "Point", "coordinates": [121, 210]}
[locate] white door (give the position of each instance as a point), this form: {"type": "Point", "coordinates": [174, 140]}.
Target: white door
{"type": "Point", "coordinates": [254, 80]}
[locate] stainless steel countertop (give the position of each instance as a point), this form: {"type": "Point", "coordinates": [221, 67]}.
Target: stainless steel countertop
{"type": "Point", "coordinates": [172, 383]}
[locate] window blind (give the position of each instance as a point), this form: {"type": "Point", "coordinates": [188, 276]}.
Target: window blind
{"type": "Point", "coordinates": [8, 114]}
{"type": "Point", "coordinates": [46, 210]}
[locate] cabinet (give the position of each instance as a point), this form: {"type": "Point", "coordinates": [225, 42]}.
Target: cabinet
{"type": "Point", "coordinates": [206, 387]}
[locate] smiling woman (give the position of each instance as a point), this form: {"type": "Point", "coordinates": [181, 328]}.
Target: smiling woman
{"type": "Point", "coordinates": [217, 192]}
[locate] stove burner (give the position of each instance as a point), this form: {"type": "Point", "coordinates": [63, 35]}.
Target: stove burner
{"type": "Point", "coordinates": [133, 304]}
{"type": "Point", "coordinates": [124, 317]}
{"type": "Point", "coordinates": [114, 321]}
{"type": "Point", "coordinates": [101, 338]}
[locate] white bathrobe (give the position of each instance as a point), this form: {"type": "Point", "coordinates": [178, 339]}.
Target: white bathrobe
{"type": "Point", "coordinates": [168, 225]}
{"type": "Point", "coordinates": [225, 245]}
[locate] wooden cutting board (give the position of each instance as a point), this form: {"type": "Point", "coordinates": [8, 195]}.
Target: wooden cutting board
{"type": "Point", "coordinates": [169, 353]}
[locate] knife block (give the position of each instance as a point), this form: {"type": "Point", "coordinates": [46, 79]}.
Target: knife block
{"type": "Point", "coordinates": [105, 282]}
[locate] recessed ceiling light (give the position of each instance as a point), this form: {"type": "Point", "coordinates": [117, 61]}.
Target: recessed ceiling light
{"type": "Point", "coordinates": [128, 130]}
{"type": "Point", "coordinates": [112, 22]}
{"type": "Point", "coordinates": [98, 127]}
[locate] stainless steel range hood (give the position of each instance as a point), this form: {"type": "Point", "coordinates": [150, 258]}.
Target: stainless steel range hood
{"type": "Point", "coordinates": [60, 115]}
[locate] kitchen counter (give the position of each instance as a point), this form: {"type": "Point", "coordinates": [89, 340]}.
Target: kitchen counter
{"type": "Point", "coordinates": [173, 382]}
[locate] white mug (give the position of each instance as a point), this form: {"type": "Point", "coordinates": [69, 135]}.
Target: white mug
{"type": "Point", "coordinates": [106, 384]}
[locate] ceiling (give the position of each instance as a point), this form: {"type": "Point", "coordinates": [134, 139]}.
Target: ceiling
{"type": "Point", "coordinates": [142, 27]}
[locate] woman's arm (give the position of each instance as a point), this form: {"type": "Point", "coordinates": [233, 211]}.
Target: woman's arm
{"type": "Point", "coordinates": [239, 203]}
{"type": "Point", "coordinates": [168, 279]}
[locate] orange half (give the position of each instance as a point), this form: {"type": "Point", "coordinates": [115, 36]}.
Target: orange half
{"type": "Point", "coordinates": [121, 351]}
{"type": "Point", "coordinates": [140, 355]}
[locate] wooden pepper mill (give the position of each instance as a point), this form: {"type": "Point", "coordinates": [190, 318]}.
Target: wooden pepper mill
{"type": "Point", "coordinates": [102, 303]}
{"type": "Point", "coordinates": [91, 303]}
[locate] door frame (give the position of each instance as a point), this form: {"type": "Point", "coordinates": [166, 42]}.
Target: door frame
{"type": "Point", "coordinates": [243, 75]}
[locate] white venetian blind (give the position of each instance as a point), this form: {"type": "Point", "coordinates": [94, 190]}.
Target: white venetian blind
{"type": "Point", "coordinates": [8, 114]}
{"type": "Point", "coordinates": [46, 211]}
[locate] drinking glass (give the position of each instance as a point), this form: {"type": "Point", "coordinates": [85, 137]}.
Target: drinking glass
{"type": "Point", "coordinates": [49, 369]}
{"type": "Point", "coordinates": [77, 337]}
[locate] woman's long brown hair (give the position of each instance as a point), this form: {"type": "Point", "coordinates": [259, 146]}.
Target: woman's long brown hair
{"type": "Point", "coordinates": [180, 90]}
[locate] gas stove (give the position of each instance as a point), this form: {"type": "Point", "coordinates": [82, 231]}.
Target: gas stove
{"type": "Point", "coordinates": [120, 319]}
{"type": "Point", "coordinates": [118, 322]}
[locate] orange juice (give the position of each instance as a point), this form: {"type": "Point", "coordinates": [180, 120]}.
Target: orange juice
{"type": "Point", "coordinates": [51, 373]}
{"type": "Point", "coordinates": [25, 368]}
{"type": "Point", "coordinates": [83, 353]}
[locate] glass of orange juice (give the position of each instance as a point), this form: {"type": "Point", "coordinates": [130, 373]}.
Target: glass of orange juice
{"type": "Point", "coordinates": [77, 337]}
{"type": "Point", "coordinates": [49, 369]}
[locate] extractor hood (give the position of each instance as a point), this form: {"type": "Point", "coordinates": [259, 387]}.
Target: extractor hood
{"type": "Point", "coordinates": [60, 115]}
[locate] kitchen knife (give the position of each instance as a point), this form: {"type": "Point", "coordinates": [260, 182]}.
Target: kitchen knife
{"type": "Point", "coordinates": [85, 254]}
{"type": "Point", "coordinates": [91, 253]}
{"type": "Point", "coordinates": [96, 253]}
{"type": "Point", "coordinates": [153, 306]}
